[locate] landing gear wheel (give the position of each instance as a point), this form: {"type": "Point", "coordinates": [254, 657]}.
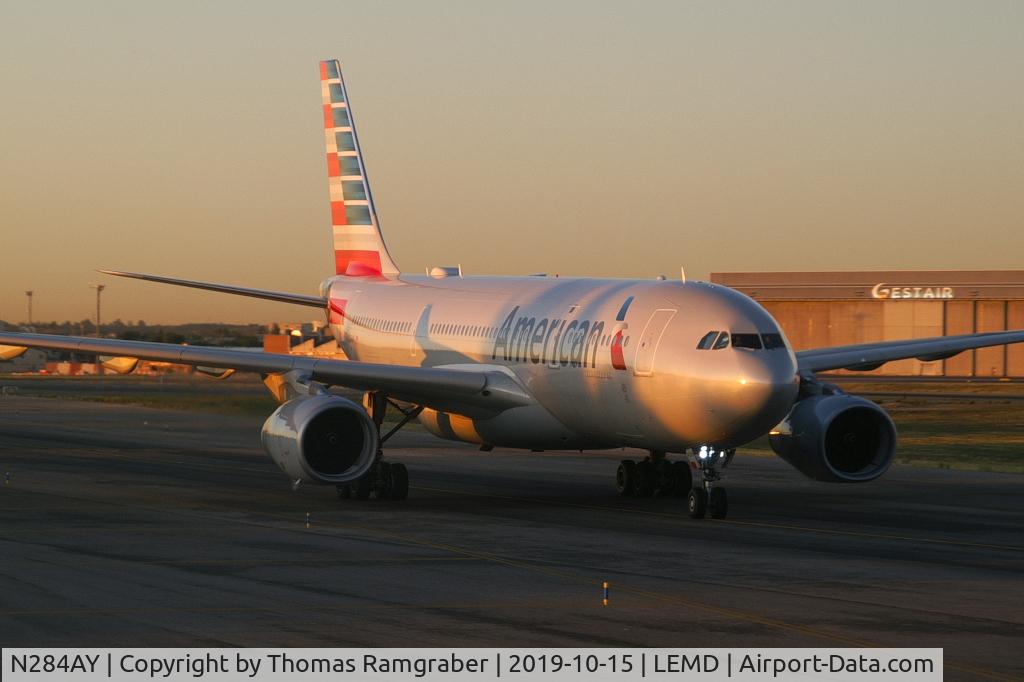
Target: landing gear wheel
{"type": "Point", "coordinates": [718, 503]}
{"type": "Point", "coordinates": [643, 482]}
{"type": "Point", "coordinates": [382, 480]}
{"type": "Point", "coordinates": [344, 490]}
{"type": "Point", "coordinates": [625, 477]}
{"type": "Point", "coordinates": [362, 487]}
{"type": "Point", "coordinates": [682, 479]}
{"type": "Point", "coordinates": [697, 503]}
{"type": "Point", "coordinates": [664, 478]}
{"type": "Point", "coordinates": [398, 481]}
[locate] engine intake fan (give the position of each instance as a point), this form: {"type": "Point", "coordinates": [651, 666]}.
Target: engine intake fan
{"type": "Point", "coordinates": [323, 439]}
{"type": "Point", "coordinates": [837, 437]}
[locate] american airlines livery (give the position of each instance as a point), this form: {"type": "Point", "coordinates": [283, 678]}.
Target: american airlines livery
{"type": "Point", "coordinates": [670, 367]}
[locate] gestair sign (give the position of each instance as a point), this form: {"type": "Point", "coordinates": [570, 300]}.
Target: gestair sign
{"type": "Point", "coordinates": [888, 291]}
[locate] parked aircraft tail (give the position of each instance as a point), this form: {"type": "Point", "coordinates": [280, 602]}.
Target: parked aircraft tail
{"type": "Point", "coordinates": [359, 248]}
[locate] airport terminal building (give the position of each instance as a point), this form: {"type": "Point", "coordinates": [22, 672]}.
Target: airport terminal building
{"type": "Point", "coordinates": [818, 309]}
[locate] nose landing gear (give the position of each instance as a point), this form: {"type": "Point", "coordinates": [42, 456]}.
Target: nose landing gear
{"type": "Point", "coordinates": [707, 498]}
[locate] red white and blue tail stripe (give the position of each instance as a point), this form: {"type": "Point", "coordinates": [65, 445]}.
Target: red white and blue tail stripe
{"type": "Point", "coordinates": [359, 248]}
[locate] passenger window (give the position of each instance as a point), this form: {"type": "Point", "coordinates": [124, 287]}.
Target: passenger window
{"type": "Point", "coordinates": [752, 341]}
{"type": "Point", "coordinates": [708, 341]}
{"type": "Point", "coordinates": [773, 341]}
{"type": "Point", "coordinates": [722, 342]}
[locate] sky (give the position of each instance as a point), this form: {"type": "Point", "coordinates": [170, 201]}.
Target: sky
{"type": "Point", "coordinates": [580, 138]}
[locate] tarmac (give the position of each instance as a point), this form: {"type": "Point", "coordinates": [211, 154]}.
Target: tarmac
{"type": "Point", "coordinates": [128, 526]}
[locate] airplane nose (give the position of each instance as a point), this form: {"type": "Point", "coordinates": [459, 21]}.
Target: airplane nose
{"type": "Point", "coordinates": [767, 387]}
{"type": "Point", "coordinates": [770, 378]}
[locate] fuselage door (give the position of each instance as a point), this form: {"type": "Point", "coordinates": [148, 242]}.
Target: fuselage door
{"type": "Point", "coordinates": [648, 343]}
{"type": "Point", "coordinates": [421, 333]}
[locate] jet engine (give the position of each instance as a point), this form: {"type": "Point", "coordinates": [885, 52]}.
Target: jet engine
{"type": "Point", "coordinates": [322, 439]}
{"type": "Point", "coordinates": [836, 437]}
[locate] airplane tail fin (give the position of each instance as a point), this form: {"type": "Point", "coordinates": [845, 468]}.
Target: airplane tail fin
{"type": "Point", "coordinates": [359, 248]}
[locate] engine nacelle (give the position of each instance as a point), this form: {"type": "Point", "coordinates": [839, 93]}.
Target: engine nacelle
{"type": "Point", "coordinates": [840, 438]}
{"type": "Point", "coordinates": [322, 439]}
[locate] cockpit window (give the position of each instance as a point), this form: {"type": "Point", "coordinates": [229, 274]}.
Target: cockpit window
{"type": "Point", "coordinates": [708, 341]}
{"type": "Point", "coordinates": [752, 341]}
{"type": "Point", "coordinates": [716, 340]}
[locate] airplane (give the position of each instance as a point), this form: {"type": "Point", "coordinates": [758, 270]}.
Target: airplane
{"type": "Point", "coordinates": [684, 368]}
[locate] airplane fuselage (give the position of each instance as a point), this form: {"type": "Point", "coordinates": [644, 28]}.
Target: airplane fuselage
{"type": "Point", "coordinates": [609, 362]}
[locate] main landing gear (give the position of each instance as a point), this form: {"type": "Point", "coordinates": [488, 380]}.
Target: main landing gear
{"type": "Point", "coordinates": [656, 476]}
{"type": "Point", "coordinates": [385, 480]}
{"type": "Point", "coordinates": [653, 477]}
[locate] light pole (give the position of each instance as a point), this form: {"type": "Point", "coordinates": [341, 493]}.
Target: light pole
{"type": "Point", "coordinates": [29, 295]}
{"type": "Point", "coordinates": [99, 290]}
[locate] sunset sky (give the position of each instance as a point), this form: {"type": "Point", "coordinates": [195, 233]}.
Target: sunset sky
{"type": "Point", "coordinates": [581, 138]}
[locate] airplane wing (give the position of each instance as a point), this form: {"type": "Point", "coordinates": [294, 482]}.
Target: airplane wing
{"type": "Point", "coordinates": [283, 297]}
{"type": "Point", "coordinates": [868, 356]}
{"type": "Point", "coordinates": [476, 391]}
